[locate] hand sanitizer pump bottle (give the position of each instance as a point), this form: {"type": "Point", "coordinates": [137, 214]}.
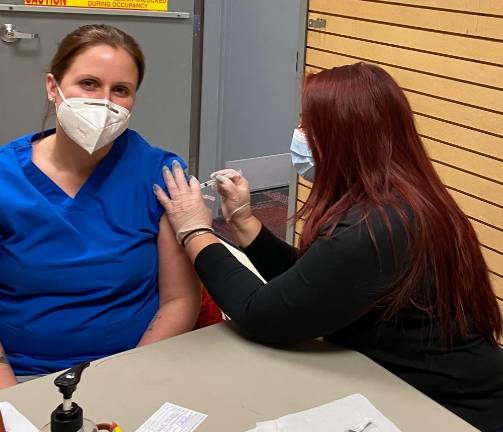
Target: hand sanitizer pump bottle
{"type": "Point", "coordinates": [68, 416]}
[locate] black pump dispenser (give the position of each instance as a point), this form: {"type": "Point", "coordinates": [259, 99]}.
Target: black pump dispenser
{"type": "Point", "coordinates": [68, 416]}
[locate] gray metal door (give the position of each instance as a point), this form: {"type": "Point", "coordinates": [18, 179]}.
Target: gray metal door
{"type": "Point", "coordinates": [166, 111]}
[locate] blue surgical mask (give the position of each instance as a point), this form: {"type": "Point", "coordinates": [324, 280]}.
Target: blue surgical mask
{"type": "Point", "coordinates": [302, 157]}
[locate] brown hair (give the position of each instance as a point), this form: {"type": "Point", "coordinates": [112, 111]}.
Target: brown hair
{"type": "Point", "coordinates": [367, 151]}
{"type": "Point", "coordinates": [86, 37]}
{"type": "Point", "coordinates": [92, 35]}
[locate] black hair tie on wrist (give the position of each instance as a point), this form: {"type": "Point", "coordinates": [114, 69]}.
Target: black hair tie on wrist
{"type": "Point", "coordinates": [190, 233]}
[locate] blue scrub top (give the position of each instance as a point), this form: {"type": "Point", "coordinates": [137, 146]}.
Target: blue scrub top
{"type": "Point", "coordinates": [78, 276]}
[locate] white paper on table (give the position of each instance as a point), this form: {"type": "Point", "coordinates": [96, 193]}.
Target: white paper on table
{"type": "Point", "coordinates": [172, 418]}
{"type": "Point", "coordinates": [353, 413]}
{"type": "Point", "coordinates": [14, 421]}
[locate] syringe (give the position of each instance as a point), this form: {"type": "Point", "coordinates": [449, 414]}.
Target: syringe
{"type": "Point", "coordinates": [208, 183]}
{"type": "Point", "coordinates": [212, 181]}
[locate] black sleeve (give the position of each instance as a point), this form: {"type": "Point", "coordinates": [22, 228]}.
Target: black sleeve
{"type": "Point", "coordinates": [328, 288]}
{"type": "Point", "coordinates": [270, 255]}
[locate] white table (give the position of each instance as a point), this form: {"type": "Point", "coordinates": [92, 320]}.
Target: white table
{"type": "Point", "coordinates": [236, 382]}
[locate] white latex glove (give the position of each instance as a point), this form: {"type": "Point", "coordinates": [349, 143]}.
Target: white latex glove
{"type": "Point", "coordinates": [185, 208]}
{"type": "Point", "coordinates": [235, 192]}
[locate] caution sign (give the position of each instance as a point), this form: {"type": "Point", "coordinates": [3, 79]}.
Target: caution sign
{"type": "Point", "coordinates": [145, 5]}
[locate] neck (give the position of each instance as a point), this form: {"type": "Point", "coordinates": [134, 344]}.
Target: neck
{"type": "Point", "coordinates": [66, 155]}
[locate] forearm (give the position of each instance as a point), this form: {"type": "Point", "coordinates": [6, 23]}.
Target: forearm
{"type": "Point", "coordinates": [246, 230]}
{"type": "Point", "coordinates": [173, 318]}
{"type": "Point", "coordinates": [7, 377]}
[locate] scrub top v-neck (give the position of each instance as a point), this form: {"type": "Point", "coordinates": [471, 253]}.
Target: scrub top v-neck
{"type": "Point", "coordinates": [54, 194]}
{"type": "Point", "coordinates": [78, 276]}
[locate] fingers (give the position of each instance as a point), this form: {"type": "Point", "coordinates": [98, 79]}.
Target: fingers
{"type": "Point", "coordinates": [163, 198]}
{"type": "Point", "coordinates": [228, 173]}
{"type": "Point", "coordinates": [194, 185]}
{"type": "Point", "coordinates": [226, 187]}
{"type": "Point", "coordinates": [169, 180]}
{"type": "Point", "coordinates": [179, 176]}
{"type": "Point", "coordinates": [222, 179]}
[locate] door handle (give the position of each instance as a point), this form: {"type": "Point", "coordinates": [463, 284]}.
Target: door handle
{"type": "Point", "coordinates": [9, 34]}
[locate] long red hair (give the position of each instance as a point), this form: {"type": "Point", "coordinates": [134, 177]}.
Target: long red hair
{"type": "Point", "coordinates": [367, 151]}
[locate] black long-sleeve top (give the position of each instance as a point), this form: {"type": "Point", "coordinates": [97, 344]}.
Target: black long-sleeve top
{"type": "Point", "coordinates": [330, 291]}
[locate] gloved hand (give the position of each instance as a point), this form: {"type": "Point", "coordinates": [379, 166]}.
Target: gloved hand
{"type": "Point", "coordinates": [235, 192]}
{"type": "Point", "coordinates": [185, 208]}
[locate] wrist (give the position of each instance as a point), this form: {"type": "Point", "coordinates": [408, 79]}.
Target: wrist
{"type": "Point", "coordinates": [188, 236]}
{"type": "Point", "coordinates": [244, 225]}
{"type": "Point", "coordinates": [241, 212]}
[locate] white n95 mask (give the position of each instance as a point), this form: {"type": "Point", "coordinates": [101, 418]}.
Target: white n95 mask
{"type": "Point", "coordinates": [91, 123]}
{"type": "Point", "coordinates": [302, 158]}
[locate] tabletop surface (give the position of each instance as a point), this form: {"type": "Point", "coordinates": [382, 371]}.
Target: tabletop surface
{"type": "Point", "coordinates": [235, 382]}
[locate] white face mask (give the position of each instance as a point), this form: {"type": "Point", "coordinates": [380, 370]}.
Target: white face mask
{"type": "Point", "coordinates": [91, 123]}
{"type": "Point", "coordinates": [302, 157]}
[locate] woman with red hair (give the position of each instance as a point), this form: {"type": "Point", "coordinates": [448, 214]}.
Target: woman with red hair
{"type": "Point", "coordinates": [388, 264]}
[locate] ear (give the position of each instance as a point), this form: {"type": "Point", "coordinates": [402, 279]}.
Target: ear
{"type": "Point", "coordinates": [50, 85]}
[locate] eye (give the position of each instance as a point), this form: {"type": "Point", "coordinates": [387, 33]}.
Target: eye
{"type": "Point", "coordinates": [122, 91]}
{"type": "Point", "coordinates": [88, 84]}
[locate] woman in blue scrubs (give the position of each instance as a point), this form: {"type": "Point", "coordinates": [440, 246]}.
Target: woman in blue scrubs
{"type": "Point", "coordinates": [85, 272]}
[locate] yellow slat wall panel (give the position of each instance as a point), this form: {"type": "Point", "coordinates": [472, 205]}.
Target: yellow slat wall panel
{"type": "Point", "coordinates": [476, 6]}
{"type": "Point", "coordinates": [497, 284]}
{"type": "Point", "coordinates": [471, 184]}
{"type": "Point", "coordinates": [457, 68]}
{"type": "Point", "coordinates": [302, 192]}
{"type": "Point", "coordinates": [466, 160]}
{"type": "Point", "coordinates": [448, 58]}
{"type": "Point", "coordinates": [464, 92]}
{"type": "Point", "coordinates": [453, 45]}
{"type": "Point", "coordinates": [488, 236]}
{"type": "Point", "coordinates": [299, 225]}
{"type": "Point", "coordinates": [473, 140]}
{"type": "Point", "coordinates": [465, 115]}
{"type": "Point", "coordinates": [446, 21]}
{"type": "Point", "coordinates": [478, 209]}
{"type": "Point", "coordinates": [305, 182]}
{"type": "Point", "coordinates": [494, 260]}
{"type": "Point", "coordinates": [482, 98]}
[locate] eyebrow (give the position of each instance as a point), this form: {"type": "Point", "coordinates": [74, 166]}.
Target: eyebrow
{"type": "Point", "coordinates": [89, 76]}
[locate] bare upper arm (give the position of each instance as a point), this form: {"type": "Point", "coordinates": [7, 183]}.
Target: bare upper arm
{"type": "Point", "coordinates": [177, 276]}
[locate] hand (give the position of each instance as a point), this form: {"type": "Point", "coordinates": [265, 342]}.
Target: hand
{"type": "Point", "coordinates": [185, 208]}
{"type": "Point", "coordinates": [235, 192]}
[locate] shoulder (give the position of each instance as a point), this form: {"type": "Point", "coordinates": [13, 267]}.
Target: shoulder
{"type": "Point", "coordinates": [23, 141]}
{"type": "Point", "coordinates": [14, 153]}
{"type": "Point", "coordinates": [373, 229]}
{"type": "Point", "coordinates": [152, 157]}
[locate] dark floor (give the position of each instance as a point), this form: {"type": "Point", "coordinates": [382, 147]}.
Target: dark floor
{"type": "Point", "coordinates": [270, 206]}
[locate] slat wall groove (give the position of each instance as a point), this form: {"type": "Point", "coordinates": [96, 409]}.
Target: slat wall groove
{"type": "Point", "coordinates": [451, 188]}
{"type": "Point", "coordinates": [468, 172]}
{"type": "Point", "coordinates": [475, 220]}
{"type": "Point", "coordinates": [485, 7]}
{"type": "Point", "coordinates": [435, 65]}
{"type": "Point", "coordinates": [411, 54]}
{"type": "Point", "coordinates": [458, 45]}
{"type": "Point", "coordinates": [495, 135]}
{"type": "Point", "coordinates": [484, 38]}
{"type": "Point", "coordinates": [424, 51]}
{"type": "Point", "coordinates": [409, 90]}
{"type": "Point", "coordinates": [485, 155]}
{"type": "Point", "coordinates": [427, 84]}
{"type": "Point", "coordinates": [448, 59]}
{"type": "Point", "coordinates": [448, 22]}
{"type": "Point", "coordinates": [471, 139]}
